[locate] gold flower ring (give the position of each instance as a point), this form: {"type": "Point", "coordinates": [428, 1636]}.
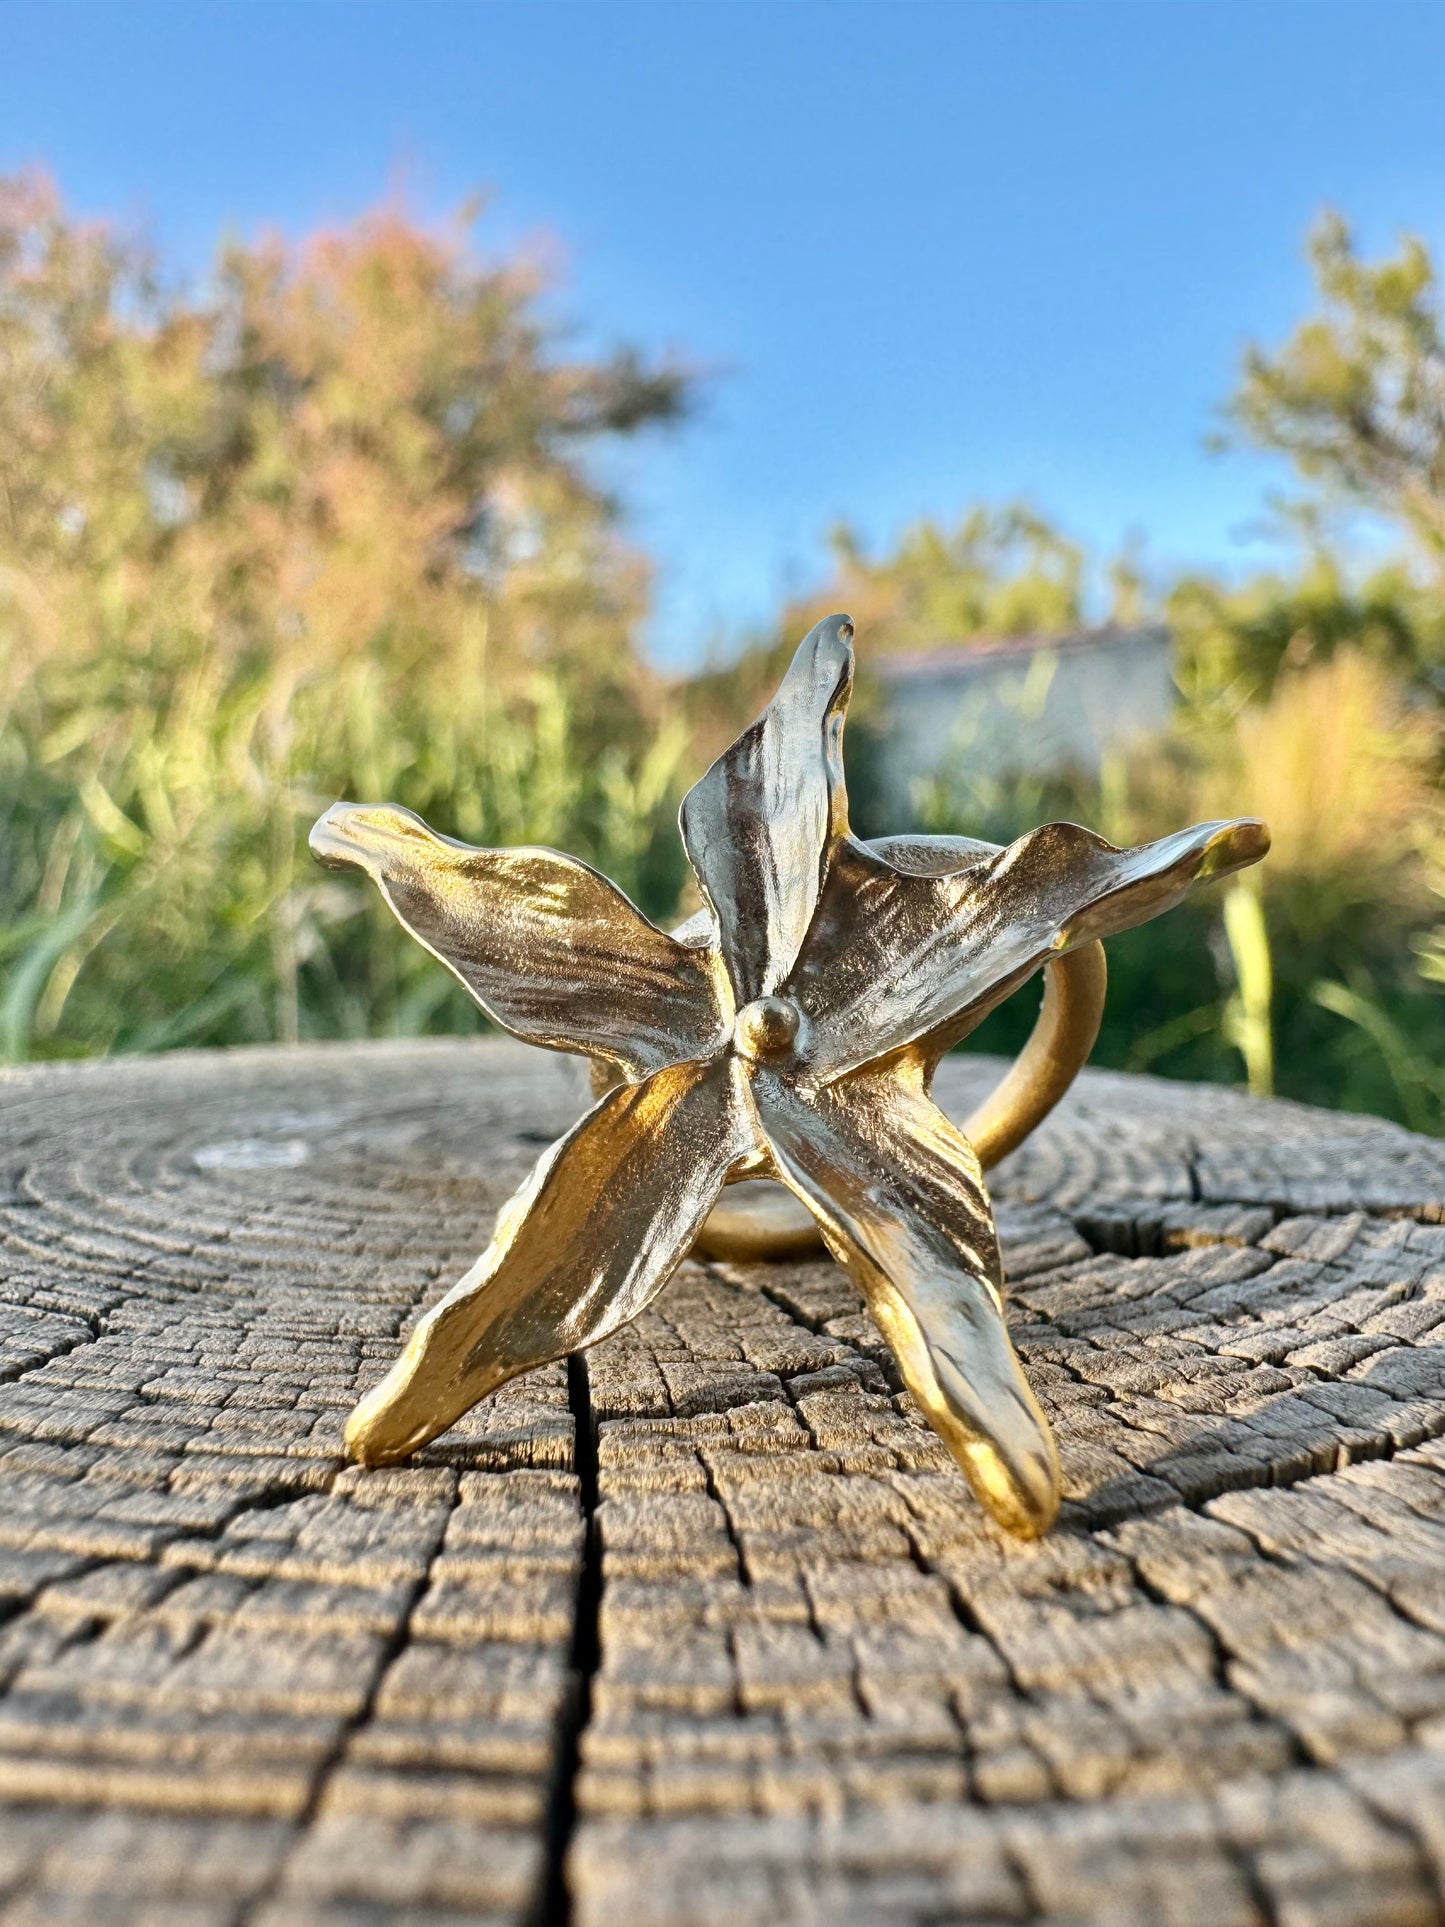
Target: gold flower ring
{"type": "Point", "coordinates": [790, 1031]}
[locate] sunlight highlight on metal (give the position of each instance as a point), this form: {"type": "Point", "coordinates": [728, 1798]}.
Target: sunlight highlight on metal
{"type": "Point", "coordinates": [787, 1034]}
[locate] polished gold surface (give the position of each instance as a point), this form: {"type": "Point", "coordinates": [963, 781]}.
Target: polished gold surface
{"type": "Point", "coordinates": [1057, 1050]}
{"type": "Point", "coordinates": [789, 1032]}
{"type": "Point", "coordinates": [757, 1219]}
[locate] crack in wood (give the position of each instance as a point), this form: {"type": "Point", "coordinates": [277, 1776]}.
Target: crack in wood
{"type": "Point", "coordinates": [554, 1903]}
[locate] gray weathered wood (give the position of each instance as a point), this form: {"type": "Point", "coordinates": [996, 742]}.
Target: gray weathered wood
{"type": "Point", "coordinates": [738, 1646]}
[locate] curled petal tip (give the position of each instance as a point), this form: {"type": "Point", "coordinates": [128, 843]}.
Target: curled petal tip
{"type": "Point", "coordinates": [361, 1448]}
{"type": "Point", "coordinates": [349, 835]}
{"type": "Point", "coordinates": [1020, 1488]}
{"type": "Point", "coordinates": [364, 1443]}
{"type": "Point", "coordinates": [1235, 847]}
{"type": "Point", "coordinates": [985, 1411]}
{"type": "Point", "coordinates": [986, 1414]}
{"type": "Point", "coordinates": [330, 840]}
{"type": "Point", "coordinates": [825, 658]}
{"type": "Point", "coordinates": [370, 1441]}
{"type": "Point", "coordinates": [385, 1426]}
{"type": "Point", "coordinates": [833, 639]}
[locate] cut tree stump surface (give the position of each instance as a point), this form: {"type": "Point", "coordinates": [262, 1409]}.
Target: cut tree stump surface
{"type": "Point", "coordinates": [707, 1628]}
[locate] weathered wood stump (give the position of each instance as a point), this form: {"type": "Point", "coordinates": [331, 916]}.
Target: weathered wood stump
{"type": "Point", "coordinates": [706, 1628]}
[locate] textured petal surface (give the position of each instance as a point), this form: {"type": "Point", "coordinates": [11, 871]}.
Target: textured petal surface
{"type": "Point", "coordinates": [899, 1197]}
{"type": "Point", "coordinates": [550, 949]}
{"type": "Point", "coordinates": [760, 825]}
{"type": "Point", "coordinates": [933, 856]}
{"type": "Point", "coordinates": [592, 1236]}
{"type": "Point", "coordinates": [895, 954]}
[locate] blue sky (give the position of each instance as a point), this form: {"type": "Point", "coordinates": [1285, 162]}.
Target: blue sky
{"type": "Point", "coordinates": [930, 253]}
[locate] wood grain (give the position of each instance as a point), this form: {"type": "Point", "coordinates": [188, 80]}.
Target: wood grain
{"type": "Point", "coordinates": [707, 1629]}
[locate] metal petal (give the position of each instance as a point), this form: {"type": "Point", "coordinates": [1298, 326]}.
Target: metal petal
{"type": "Point", "coordinates": [900, 1199]}
{"type": "Point", "coordinates": [759, 827]}
{"type": "Point", "coordinates": [896, 955]}
{"type": "Point", "coordinates": [551, 950]}
{"type": "Point", "coordinates": [594, 1234]}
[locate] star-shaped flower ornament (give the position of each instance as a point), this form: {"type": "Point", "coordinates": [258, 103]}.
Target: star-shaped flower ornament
{"type": "Point", "coordinates": [788, 1031]}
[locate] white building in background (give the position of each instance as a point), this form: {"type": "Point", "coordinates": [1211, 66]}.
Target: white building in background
{"type": "Point", "coordinates": [1028, 706]}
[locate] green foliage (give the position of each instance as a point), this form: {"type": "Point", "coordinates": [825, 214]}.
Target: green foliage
{"type": "Point", "coordinates": [1249, 1014]}
{"type": "Point", "coordinates": [1356, 396]}
{"type": "Point", "coordinates": [323, 533]}
{"type": "Point", "coordinates": [1308, 976]}
{"type": "Point", "coordinates": [327, 531]}
{"type": "Point", "coordinates": [1312, 699]}
{"type": "Point", "coordinates": [1233, 642]}
{"type": "Point", "coordinates": [1000, 572]}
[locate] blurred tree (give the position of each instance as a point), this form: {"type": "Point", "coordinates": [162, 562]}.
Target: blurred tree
{"type": "Point", "coordinates": [328, 530]}
{"type": "Point", "coordinates": [1348, 755]}
{"type": "Point", "coordinates": [1356, 396]}
{"type": "Point", "coordinates": [324, 531]}
{"type": "Point", "coordinates": [1308, 696]}
{"type": "Point", "coordinates": [1232, 642]}
{"type": "Point", "coordinates": [1001, 572]}
{"type": "Point", "coordinates": [1356, 399]}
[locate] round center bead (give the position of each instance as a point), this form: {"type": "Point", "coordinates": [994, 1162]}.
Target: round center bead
{"type": "Point", "coordinates": [767, 1027]}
